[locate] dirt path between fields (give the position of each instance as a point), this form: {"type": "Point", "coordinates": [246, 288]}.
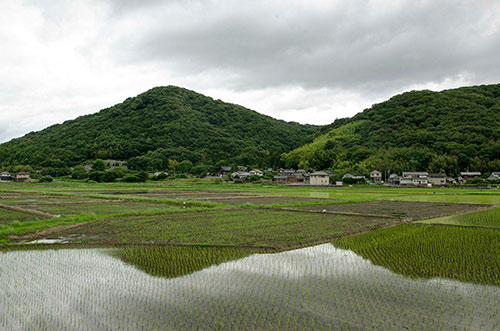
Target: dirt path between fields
{"type": "Point", "coordinates": [43, 233]}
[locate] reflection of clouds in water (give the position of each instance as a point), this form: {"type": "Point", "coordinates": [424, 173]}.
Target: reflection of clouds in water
{"type": "Point", "coordinates": [304, 288]}
{"type": "Point", "coordinates": [321, 261]}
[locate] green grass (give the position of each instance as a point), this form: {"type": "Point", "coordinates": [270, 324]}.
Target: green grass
{"type": "Point", "coordinates": [168, 261]}
{"type": "Point", "coordinates": [489, 199]}
{"type": "Point", "coordinates": [29, 227]}
{"type": "Point", "coordinates": [489, 218]}
{"type": "Point", "coordinates": [465, 254]}
{"type": "Point", "coordinates": [236, 227]}
{"type": "Point", "coordinates": [11, 216]}
{"type": "Point", "coordinates": [111, 207]}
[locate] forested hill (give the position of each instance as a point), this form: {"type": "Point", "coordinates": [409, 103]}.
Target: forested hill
{"type": "Point", "coordinates": [160, 124]}
{"type": "Point", "coordinates": [452, 131]}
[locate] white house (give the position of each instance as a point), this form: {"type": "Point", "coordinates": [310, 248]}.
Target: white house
{"type": "Point", "coordinates": [319, 178]}
{"type": "Point", "coordinates": [240, 174]}
{"type": "Point", "coordinates": [414, 178]}
{"type": "Point", "coordinates": [376, 176]}
{"type": "Point", "coordinates": [256, 172]}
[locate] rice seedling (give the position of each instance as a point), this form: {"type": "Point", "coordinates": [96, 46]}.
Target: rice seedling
{"type": "Point", "coordinates": [465, 254]}
{"type": "Point", "coordinates": [489, 218]}
{"type": "Point", "coordinates": [9, 216]}
{"type": "Point", "coordinates": [253, 227]}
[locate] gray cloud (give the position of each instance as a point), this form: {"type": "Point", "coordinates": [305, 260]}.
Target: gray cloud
{"type": "Point", "coordinates": [305, 60]}
{"type": "Point", "coordinates": [351, 45]}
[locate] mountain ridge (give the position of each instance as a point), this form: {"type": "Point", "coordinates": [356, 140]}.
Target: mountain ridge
{"type": "Point", "coordinates": [161, 123]}
{"type": "Point", "coordinates": [446, 131]}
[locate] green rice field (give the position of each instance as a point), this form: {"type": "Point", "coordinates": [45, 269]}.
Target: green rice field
{"type": "Point", "coordinates": [195, 254]}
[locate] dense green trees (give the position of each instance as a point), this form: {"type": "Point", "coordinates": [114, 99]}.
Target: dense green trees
{"type": "Point", "coordinates": [162, 124]}
{"type": "Point", "coordinates": [448, 131]}
{"type": "Point", "coordinates": [182, 131]}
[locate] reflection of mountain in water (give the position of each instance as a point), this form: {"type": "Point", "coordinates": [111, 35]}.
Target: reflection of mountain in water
{"type": "Point", "coordinates": [312, 288]}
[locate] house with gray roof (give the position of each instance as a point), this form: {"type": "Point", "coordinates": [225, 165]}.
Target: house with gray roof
{"type": "Point", "coordinates": [5, 176]}
{"type": "Point", "coordinates": [467, 176]}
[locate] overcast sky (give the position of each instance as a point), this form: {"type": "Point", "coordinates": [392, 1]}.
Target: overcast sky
{"type": "Point", "coordinates": [310, 61]}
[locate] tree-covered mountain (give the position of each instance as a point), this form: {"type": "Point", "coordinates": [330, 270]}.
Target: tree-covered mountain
{"type": "Point", "coordinates": [450, 131]}
{"type": "Point", "coordinates": [161, 124]}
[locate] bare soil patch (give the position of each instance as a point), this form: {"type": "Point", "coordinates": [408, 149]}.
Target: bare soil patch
{"type": "Point", "coordinates": [400, 209]}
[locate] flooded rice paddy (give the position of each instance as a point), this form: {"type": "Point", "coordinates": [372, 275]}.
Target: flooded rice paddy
{"type": "Point", "coordinates": [318, 287]}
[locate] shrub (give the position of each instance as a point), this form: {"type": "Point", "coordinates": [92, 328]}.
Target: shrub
{"type": "Point", "coordinates": [96, 176]}
{"type": "Point", "coordinates": [132, 179]}
{"type": "Point", "coordinates": [46, 179]}
{"type": "Point", "coordinates": [108, 177]}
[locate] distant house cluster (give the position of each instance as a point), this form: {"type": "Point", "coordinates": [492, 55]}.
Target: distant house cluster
{"type": "Point", "coordinates": [302, 176]}
{"type": "Point", "coordinates": [243, 173]}
{"type": "Point", "coordinates": [281, 176]}
{"type": "Point", "coordinates": [422, 178]}
{"type": "Point", "coordinates": [292, 176]}
{"type": "Point", "coordinates": [20, 176]}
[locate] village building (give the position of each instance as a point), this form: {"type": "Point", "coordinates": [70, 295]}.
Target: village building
{"type": "Point", "coordinates": [292, 176]}
{"type": "Point", "coordinates": [414, 178]}
{"type": "Point", "coordinates": [394, 179]}
{"type": "Point", "coordinates": [224, 171]}
{"type": "Point", "coordinates": [288, 172]}
{"type": "Point", "coordinates": [467, 176]}
{"type": "Point", "coordinates": [256, 172]}
{"type": "Point", "coordinates": [437, 179]}
{"type": "Point", "coordinates": [376, 176]}
{"type": "Point", "coordinates": [451, 181]}
{"type": "Point", "coordinates": [240, 174]}
{"type": "Point", "coordinates": [158, 173]}
{"type": "Point", "coordinates": [319, 178]}
{"type": "Point", "coordinates": [353, 177]}
{"type": "Point", "coordinates": [22, 176]}
{"type": "Point", "coordinates": [280, 179]}
{"type": "Point", "coordinates": [5, 176]}
{"type": "Point", "coordinates": [494, 176]}
{"type": "Point", "coordinates": [242, 168]}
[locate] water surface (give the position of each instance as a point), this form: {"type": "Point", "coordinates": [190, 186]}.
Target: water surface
{"type": "Point", "coordinates": [319, 287]}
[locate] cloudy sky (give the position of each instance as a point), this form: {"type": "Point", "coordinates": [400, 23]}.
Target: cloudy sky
{"type": "Point", "coordinates": [309, 61]}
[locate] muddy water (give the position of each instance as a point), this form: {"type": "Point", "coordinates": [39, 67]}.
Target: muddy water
{"type": "Point", "coordinates": [319, 287]}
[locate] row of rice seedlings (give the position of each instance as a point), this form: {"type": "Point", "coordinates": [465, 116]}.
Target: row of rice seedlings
{"type": "Point", "coordinates": [314, 288]}
{"type": "Point", "coordinates": [465, 254]}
